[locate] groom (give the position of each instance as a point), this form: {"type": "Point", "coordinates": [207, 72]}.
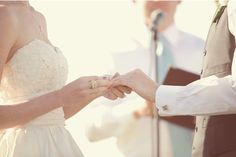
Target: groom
{"type": "Point", "coordinates": [212, 98]}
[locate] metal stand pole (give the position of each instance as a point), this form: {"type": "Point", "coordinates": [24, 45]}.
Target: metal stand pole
{"type": "Point", "coordinates": [155, 131]}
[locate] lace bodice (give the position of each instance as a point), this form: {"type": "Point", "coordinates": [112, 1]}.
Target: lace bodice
{"type": "Point", "coordinates": [35, 69]}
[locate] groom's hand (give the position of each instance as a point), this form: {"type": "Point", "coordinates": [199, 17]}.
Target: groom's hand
{"type": "Point", "coordinates": [116, 92]}
{"type": "Point", "coordinates": [147, 110]}
{"type": "Point", "coordinates": [138, 82]}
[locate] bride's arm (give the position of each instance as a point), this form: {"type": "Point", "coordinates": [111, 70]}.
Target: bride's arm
{"type": "Point", "coordinates": [13, 115]}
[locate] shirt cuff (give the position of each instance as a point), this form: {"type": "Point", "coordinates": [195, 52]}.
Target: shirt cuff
{"type": "Point", "coordinates": [166, 99]}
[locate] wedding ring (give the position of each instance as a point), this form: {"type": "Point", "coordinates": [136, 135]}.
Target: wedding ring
{"type": "Point", "coordinates": [93, 84]}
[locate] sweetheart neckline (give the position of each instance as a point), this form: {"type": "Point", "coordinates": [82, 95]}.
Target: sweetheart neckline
{"type": "Point", "coordinates": [33, 40]}
{"type": "Point", "coordinates": [29, 43]}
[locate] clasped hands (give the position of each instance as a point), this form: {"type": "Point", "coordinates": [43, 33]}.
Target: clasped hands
{"type": "Point", "coordinates": [85, 89]}
{"type": "Point", "coordinates": [136, 81]}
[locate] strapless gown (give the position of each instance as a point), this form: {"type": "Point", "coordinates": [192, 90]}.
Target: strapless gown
{"type": "Point", "coordinates": [35, 69]}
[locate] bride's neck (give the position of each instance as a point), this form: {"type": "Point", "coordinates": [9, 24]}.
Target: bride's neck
{"type": "Point", "coordinates": [25, 2]}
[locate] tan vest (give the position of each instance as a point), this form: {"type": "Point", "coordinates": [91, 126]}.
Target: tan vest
{"type": "Point", "coordinates": [215, 136]}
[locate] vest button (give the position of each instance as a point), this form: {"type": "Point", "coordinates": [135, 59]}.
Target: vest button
{"type": "Point", "coordinates": [205, 52]}
{"type": "Point", "coordinates": [201, 71]}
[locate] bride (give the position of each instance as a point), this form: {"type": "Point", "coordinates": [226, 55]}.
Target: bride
{"type": "Point", "coordinates": [34, 100]}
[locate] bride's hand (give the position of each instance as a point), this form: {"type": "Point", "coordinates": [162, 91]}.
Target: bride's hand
{"type": "Point", "coordinates": [118, 91]}
{"type": "Point", "coordinates": [138, 82]}
{"type": "Point", "coordinates": [84, 90]}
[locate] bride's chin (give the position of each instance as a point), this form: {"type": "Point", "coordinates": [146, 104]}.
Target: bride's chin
{"type": "Point", "coordinates": [25, 2]}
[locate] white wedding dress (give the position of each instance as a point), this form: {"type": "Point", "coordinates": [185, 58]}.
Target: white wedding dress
{"type": "Point", "coordinates": [35, 69]}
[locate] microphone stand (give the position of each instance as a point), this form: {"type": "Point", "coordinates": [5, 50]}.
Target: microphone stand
{"type": "Point", "coordinates": [155, 131]}
{"type": "Point", "coordinates": [156, 16]}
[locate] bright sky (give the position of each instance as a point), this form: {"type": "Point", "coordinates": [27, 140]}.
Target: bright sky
{"type": "Point", "coordinates": [85, 31]}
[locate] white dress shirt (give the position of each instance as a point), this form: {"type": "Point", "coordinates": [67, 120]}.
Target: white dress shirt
{"type": "Point", "coordinates": [207, 96]}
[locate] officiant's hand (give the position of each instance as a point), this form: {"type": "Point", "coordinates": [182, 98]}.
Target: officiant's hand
{"type": "Point", "coordinates": [146, 110]}
{"type": "Point", "coordinates": [138, 82]}
{"type": "Point", "coordinates": [118, 91]}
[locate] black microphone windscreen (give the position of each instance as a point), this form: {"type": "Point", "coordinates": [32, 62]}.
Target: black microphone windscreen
{"type": "Point", "coordinates": [156, 17]}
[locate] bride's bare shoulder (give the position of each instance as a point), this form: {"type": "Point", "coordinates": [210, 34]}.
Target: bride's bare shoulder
{"type": "Point", "coordinates": [8, 28]}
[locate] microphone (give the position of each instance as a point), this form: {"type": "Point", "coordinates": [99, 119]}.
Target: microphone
{"type": "Point", "coordinates": [156, 17]}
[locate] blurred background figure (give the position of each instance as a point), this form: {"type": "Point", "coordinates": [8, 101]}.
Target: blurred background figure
{"type": "Point", "coordinates": [130, 121]}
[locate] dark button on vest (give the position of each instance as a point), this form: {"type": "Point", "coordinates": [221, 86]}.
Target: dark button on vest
{"type": "Point", "coordinates": [216, 135]}
{"type": "Point", "coordinates": [205, 52]}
